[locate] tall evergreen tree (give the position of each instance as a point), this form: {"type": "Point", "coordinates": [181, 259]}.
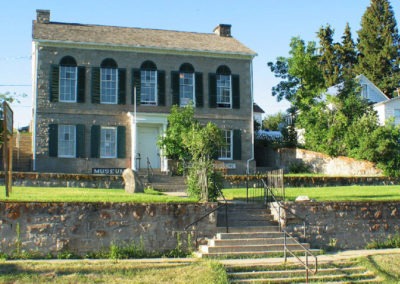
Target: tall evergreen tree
{"type": "Point", "coordinates": [379, 46]}
{"type": "Point", "coordinates": [347, 55]}
{"type": "Point", "coordinates": [328, 56]}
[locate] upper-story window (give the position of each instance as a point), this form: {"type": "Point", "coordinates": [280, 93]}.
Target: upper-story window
{"type": "Point", "coordinates": [224, 91]}
{"type": "Point", "coordinates": [148, 83]}
{"type": "Point", "coordinates": [186, 85]}
{"type": "Point", "coordinates": [224, 87]}
{"type": "Point", "coordinates": [68, 79]}
{"type": "Point", "coordinates": [108, 81]}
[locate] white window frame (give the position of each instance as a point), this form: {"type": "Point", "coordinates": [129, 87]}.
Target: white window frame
{"type": "Point", "coordinates": [364, 91]}
{"type": "Point", "coordinates": [149, 85]}
{"type": "Point", "coordinates": [68, 85]}
{"type": "Point", "coordinates": [109, 87]}
{"type": "Point", "coordinates": [224, 85]}
{"type": "Point", "coordinates": [187, 91]}
{"type": "Point", "coordinates": [66, 141]}
{"type": "Point", "coordinates": [226, 150]}
{"type": "Point", "coordinates": [108, 146]}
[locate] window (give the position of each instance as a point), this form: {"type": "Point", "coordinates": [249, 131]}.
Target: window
{"type": "Point", "coordinates": [148, 83]}
{"type": "Point", "coordinates": [186, 89]}
{"type": "Point", "coordinates": [66, 141]}
{"type": "Point", "coordinates": [68, 79]}
{"type": "Point", "coordinates": [364, 91]}
{"type": "Point", "coordinates": [224, 91]}
{"type": "Point", "coordinates": [108, 142]}
{"type": "Point", "coordinates": [226, 150]}
{"type": "Point", "coordinates": [108, 82]}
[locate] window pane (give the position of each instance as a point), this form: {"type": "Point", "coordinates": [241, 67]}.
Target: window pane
{"type": "Point", "coordinates": [108, 85]}
{"type": "Point", "coordinates": [224, 91]}
{"type": "Point", "coordinates": [148, 87]}
{"type": "Point", "coordinates": [68, 80]}
{"type": "Point", "coordinates": [226, 149]}
{"type": "Point", "coordinates": [186, 88]}
{"type": "Point", "coordinates": [66, 141]}
{"type": "Point", "coordinates": [108, 143]}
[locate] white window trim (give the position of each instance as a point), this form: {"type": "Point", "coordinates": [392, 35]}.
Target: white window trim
{"type": "Point", "coordinates": [155, 102]}
{"type": "Point", "coordinates": [193, 91]}
{"type": "Point", "coordinates": [73, 155]}
{"type": "Point", "coordinates": [116, 87]}
{"type": "Point", "coordinates": [76, 85]}
{"type": "Point", "coordinates": [230, 93]}
{"type": "Point", "coordinates": [231, 148]}
{"type": "Point", "coordinates": [116, 142]}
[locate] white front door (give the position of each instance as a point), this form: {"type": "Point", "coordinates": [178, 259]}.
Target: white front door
{"type": "Point", "coordinates": [147, 137]}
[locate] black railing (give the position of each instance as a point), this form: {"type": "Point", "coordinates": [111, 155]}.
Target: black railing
{"type": "Point", "coordinates": [150, 172]}
{"type": "Point", "coordinates": [307, 253]}
{"type": "Point", "coordinates": [225, 204]}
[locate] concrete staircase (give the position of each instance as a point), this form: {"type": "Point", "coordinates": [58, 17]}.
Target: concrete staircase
{"type": "Point", "coordinates": [163, 182]}
{"type": "Point", "coordinates": [343, 271]}
{"type": "Point", "coordinates": [252, 232]}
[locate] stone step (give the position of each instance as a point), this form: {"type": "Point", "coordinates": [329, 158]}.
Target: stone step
{"type": "Point", "coordinates": [249, 242]}
{"type": "Point", "coordinates": [248, 232]}
{"type": "Point", "coordinates": [247, 254]}
{"type": "Point", "coordinates": [249, 248]}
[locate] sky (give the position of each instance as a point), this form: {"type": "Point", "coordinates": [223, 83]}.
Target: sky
{"type": "Point", "coordinates": [265, 26]}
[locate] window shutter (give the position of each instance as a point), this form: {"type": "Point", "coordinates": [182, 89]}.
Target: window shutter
{"type": "Point", "coordinates": [53, 140]}
{"type": "Point", "coordinates": [235, 91]}
{"type": "Point", "coordinates": [175, 87]}
{"type": "Point", "coordinates": [121, 140]}
{"type": "Point", "coordinates": [199, 89]}
{"type": "Point", "coordinates": [80, 141]}
{"type": "Point", "coordinates": [136, 83]}
{"type": "Point", "coordinates": [121, 86]}
{"type": "Point", "coordinates": [237, 144]}
{"type": "Point", "coordinates": [54, 83]}
{"type": "Point", "coordinates": [95, 141]}
{"type": "Point", "coordinates": [212, 90]}
{"type": "Point", "coordinates": [81, 84]}
{"type": "Point", "coordinates": [95, 85]}
{"type": "Point", "coordinates": [161, 87]}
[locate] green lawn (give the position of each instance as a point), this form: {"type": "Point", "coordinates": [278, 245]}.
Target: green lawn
{"type": "Point", "coordinates": [339, 193]}
{"type": "Point", "coordinates": [68, 194]}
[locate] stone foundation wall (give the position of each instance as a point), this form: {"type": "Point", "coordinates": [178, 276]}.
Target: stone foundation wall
{"type": "Point", "coordinates": [341, 225]}
{"type": "Point", "coordinates": [90, 227]}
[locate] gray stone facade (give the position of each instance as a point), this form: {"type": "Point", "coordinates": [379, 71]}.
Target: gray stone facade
{"type": "Point", "coordinates": [48, 53]}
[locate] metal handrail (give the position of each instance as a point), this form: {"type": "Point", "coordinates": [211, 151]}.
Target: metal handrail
{"type": "Point", "coordinates": [149, 169]}
{"type": "Point", "coordinates": [286, 235]}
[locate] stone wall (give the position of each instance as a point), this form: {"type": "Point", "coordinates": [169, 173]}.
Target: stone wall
{"type": "Point", "coordinates": [343, 225]}
{"type": "Point", "coordinates": [90, 227]}
{"type": "Point", "coordinates": [324, 164]}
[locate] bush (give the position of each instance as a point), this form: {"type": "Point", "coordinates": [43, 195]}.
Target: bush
{"type": "Point", "coordinates": [299, 167]}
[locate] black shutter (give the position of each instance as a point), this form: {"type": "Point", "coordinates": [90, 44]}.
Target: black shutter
{"type": "Point", "coordinates": [175, 87]}
{"type": "Point", "coordinates": [161, 87]}
{"type": "Point", "coordinates": [95, 141]}
{"type": "Point", "coordinates": [199, 89]}
{"type": "Point", "coordinates": [121, 140]}
{"type": "Point", "coordinates": [81, 84]}
{"type": "Point", "coordinates": [53, 140]}
{"type": "Point", "coordinates": [54, 83]}
{"type": "Point", "coordinates": [121, 86]}
{"type": "Point", "coordinates": [237, 144]}
{"type": "Point", "coordinates": [235, 91]}
{"type": "Point", "coordinates": [136, 82]}
{"type": "Point", "coordinates": [95, 85]}
{"type": "Point", "coordinates": [212, 90]}
{"type": "Point", "coordinates": [80, 141]}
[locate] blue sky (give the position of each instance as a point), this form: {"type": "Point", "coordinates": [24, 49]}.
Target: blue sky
{"type": "Point", "coordinates": [265, 26]}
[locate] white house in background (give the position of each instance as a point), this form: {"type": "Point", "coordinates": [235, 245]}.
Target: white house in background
{"type": "Point", "coordinates": [257, 113]}
{"type": "Point", "coordinates": [388, 109]}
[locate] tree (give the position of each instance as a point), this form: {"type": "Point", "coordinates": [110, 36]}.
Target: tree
{"type": "Point", "coordinates": [379, 46]}
{"type": "Point", "coordinates": [328, 59]}
{"type": "Point", "coordinates": [347, 55]}
{"type": "Point", "coordinates": [302, 80]}
{"type": "Point", "coordinates": [274, 121]}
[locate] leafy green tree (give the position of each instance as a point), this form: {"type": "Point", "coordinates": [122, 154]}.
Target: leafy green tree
{"type": "Point", "coordinates": [378, 46]}
{"type": "Point", "coordinates": [347, 56]}
{"type": "Point", "coordinates": [328, 59]}
{"type": "Point", "coordinates": [274, 121]}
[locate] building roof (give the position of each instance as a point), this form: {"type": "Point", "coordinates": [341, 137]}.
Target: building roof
{"type": "Point", "coordinates": [257, 108]}
{"type": "Point", "coordinates": [138, 38]}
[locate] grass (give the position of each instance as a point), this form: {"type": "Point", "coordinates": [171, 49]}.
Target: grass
{"type": "Point", "coordinates": [68, 194]}
{"type": "Point", "coordinates": [384, 265]}
{"type": "Point", "coordinates": [107, 271]}
{"type": "Point", "coordinates": [338, 193]}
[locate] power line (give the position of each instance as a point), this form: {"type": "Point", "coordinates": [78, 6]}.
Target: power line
{"type": "Point", "coordinates": [16, 85]}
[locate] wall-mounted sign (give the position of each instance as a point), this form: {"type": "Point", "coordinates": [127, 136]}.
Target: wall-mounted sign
{"type": "Point", "coordinates": [107, 171]}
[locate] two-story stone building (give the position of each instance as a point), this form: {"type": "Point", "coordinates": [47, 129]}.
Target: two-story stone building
{"type": "Point", "coordinates": [102, 94]}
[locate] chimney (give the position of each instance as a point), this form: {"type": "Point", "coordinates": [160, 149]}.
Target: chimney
{"type": "Point", "coordinates": [43, 16]}
{"type": "Point", "coordinates": [223, 30]}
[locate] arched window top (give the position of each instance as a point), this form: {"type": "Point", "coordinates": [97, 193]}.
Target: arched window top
{"type": "Point", "coordinates": [186, 68]}
{"type": "Point", "coordinates": [223, 70]}
{"type": "Point", "coordinates": [108, 63]}
{"type": "Point", "coordinates": [68, 61]}
{"type": "Point", "coordinates": [148, 65]}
